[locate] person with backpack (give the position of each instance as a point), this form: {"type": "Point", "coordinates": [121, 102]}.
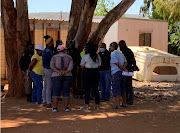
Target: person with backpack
{"type": "Point", "coordinates": [24, 65]}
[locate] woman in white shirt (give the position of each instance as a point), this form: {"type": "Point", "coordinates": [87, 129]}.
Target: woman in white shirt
{"type": "Point", "coordinates": [90, 63]}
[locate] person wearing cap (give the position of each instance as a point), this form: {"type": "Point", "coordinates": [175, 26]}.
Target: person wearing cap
{"type": "Point", "coordinates": [58, 42]}
{"type": "Point", "coordinates": [36, 71]}
{"type": "Point", "coordinates": [118, 64]}
{"type": "Point", "coordinates": [62, 65]}
{"type": "Point", "coordinates": [130, 67]}
{"type": "Point", "coordinates": [105, 73]}
{"type": "Point", "coordinates": [90, 64]}
{"type": "Point", "coordinates": [47, 71]}
{"type": "Point", "coordinates": [75, 54]}
{"type": "Point", "coordinates": [24, 64]}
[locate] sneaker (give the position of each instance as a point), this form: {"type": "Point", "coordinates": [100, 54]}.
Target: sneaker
{"type": "Point", "coordinates": [48, 106]}
{"type": "Point", "coordinates": [54, 109]}
{"type": "Point", "coordinates": [130, 104]}
{"type": "Point", "coordinates": [66, 109]}
{"type": "Point", "coordinates": [83, 108]}
{"type": "Point", "coordinates": [124, 106]}
{"type": "Point", "coordinates": [76, 96]}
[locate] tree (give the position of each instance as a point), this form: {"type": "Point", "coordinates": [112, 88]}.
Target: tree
{"type": "Point", "coordinates": [16, 34]}
{"type": "Point", "coordinates": [85, 22]}
{"type": "Point", "coordinates": [103, 7]}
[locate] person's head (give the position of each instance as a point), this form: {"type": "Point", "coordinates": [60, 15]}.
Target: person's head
{"type": "Point", "coordinates": [49, 41]}
{"type": "Point", "coordinates": [72, 44]}
{"type": "Point", "coordinates": [103, 47]}
{"type": "Point", "coordinates": [113, 46]}
{"type": "Point", "coordinates": [30, 46]}
{"type": "Point", "coordinates": [122, 45]}
{"type": "Point", "coordinates": [59, 42]}
{"type": "Point", "coordinates": [61, 49]}
{"type": "Point", "coordinates": [39, 48]}
{"type": "Point", "coordinates": [91, 49]}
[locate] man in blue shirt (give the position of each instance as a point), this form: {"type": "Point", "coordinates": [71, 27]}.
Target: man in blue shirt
{"type": "Point", "coordinates": [47, 71]}
{"type": "Point", "coordinates": [118, 64]}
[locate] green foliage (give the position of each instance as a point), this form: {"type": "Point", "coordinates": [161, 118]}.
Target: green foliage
{"type": "Point", "coordinates": [103, 7]}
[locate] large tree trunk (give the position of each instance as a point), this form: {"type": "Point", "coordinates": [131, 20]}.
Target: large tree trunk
{"type": "Point", "coordinates": [85, 24]}
{"type": "Point", "coordinates": [115, 14]}
{"type": "Point", "coordinates": [74, 18]}
{"type": "Point", "coordinates": [13, 44]}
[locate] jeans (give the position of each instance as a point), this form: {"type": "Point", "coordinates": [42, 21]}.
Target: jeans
{"type": "Point", "coordinates": [91, 81]}
{"type": "Point", "coordinates": [61, 83]}
{"type": "Point", "coordinates": [105, 84]}
{"type": "Point", "coordinates": [129, 89]}
{"type": "Point", "coordinates": [37, 87]}
{"type": "Point", "coordinates": [47, 86]}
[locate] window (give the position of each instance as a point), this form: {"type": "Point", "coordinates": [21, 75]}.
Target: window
{"type": "Point", "coordinates": [145, 39]}
{"type": "Point", "coordinates": [165, 70]}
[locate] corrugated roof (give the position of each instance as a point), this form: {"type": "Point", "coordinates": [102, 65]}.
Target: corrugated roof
{"type": "Point", "coordinates": [64, 16]}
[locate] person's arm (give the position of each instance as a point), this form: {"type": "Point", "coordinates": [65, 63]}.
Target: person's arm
{"type": "Point", "coordinates": [83, 62]}
{"type": "Point", "coordinates": [70, 67]}
{"type": "Point", "coordinates": [32, 64]}
{"type": "Point", "coordinates": [121, 67]}
{"type": "Point", "coordinates": [100, 61]}
{"type": "Point", "coordinates": [125, 64]}
{"type": "Point", "coordinates": [53, 67]}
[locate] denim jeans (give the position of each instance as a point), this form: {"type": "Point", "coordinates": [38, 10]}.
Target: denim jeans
{"type": "Point", "coordinates": [37, 87]}
{"type": "Point", "coordinates": [47, 86]}
{"type": "Point", "coordinates": [129, 89]}
{"type": "Point", "coordinates": [61, 83]}
{"type": "Point", "coordinates": [105, 84]}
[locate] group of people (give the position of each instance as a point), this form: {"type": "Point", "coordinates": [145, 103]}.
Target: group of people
{"type": "Point", "coordinates": [87, 73]}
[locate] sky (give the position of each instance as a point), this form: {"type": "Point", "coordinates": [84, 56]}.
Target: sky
{"type": "Point", "coordinates": [35, 6]}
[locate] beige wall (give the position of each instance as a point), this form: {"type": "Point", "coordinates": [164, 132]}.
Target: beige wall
{"type": "Point", "coordinates": [130, 29]}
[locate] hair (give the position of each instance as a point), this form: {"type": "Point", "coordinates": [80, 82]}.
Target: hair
{"type": "Point", "coordinates": [123, 42]}
{"type": "Point", "coordinates": [91, 49]}
{"type": "Point", "coordinates": [103, 44]}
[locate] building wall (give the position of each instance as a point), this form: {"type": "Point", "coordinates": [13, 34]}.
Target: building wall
{"type": "Point", "coordinates": [130, 29]}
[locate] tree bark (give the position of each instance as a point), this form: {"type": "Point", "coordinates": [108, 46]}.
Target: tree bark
{"type": "Point", "coordinates": [13, 45]}
{"type": "Point", "coordinates": [74, 18]}
{"type": "Point", "coordinates": [115, 14]}
{"type": "Point", "coordinates": [85, 24]}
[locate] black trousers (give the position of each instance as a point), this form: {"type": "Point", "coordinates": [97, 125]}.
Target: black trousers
{"type": "Point", "coordinates": [129, 89]}
{"type": "Point", "coordinates": [91, 81]}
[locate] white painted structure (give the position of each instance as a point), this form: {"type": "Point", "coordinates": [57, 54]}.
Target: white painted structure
{"type": "Point", "coordinates": [156, 65]}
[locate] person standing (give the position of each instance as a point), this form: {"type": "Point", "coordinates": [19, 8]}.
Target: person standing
{"type": "Point", "coordinates": [129, 55]}
{"type": "Point", "coordinates": [75, 54]}
{"type": "Point", "coordinates": [118, 64]}
{"type": "Point", "coordinates": [105, 73]}
{"type": "Point", "coordinates": [47, 71]}
{"type": "Point", "coordinates": [90, 64]}
{"type": "Point", "coordinates": [36, 71]}
{"type": "Point", "coordinates": [24, 65]}
{"type": "Point", "coordinates": [61, 64]}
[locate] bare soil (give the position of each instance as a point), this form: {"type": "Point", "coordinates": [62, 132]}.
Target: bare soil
{"type": "Point", "coordinates": [156, 110]}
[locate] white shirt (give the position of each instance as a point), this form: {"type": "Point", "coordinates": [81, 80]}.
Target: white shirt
{"type": "Point", "coordinates": [87, 61]}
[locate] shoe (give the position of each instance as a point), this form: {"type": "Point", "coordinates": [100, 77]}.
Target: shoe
{"type": "Point", "coordinates": [130, 104]}
{"type": "Point", "coordinates": [83, 108]}
{"type": "Point", "coordinates": [82, 96]}
{"type": "Point", "coordinates": [29, 99]}
{"type": "Point", "coordinates": [104, 100]}
{"type": "Point", "coordinates": [66, 109]}
{"type": "Point", "coordinates": [76, 96]}
{"type": "Point", "coordinates": [96, 108]}
{"type": "Point", "coordinates": [124, 106]}
{"type": "Point", "coordinates": [48, 106]}
{"type": "Point", "coordinates": [44, 105]}
{"type": "Point", "coordinates": [54, 109]}
{"type": "Point", "coordinates": [116, 107]}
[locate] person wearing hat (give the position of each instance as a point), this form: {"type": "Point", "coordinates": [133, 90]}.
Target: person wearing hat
{"type": "Point", "coordinates": [62, 65]}
{"type": "Point", "coordinates": [47, 71]}
{"type": "Point", "coordinates": [118, 64]}
{"type": "Point", "coordinates": [36, 71]}
{"type": "Point", "coordinates": [58, 42]}
{"type": "Point", "coordinates": [75, 54]}
{"type": "Point", "coordinates": [24, 64]}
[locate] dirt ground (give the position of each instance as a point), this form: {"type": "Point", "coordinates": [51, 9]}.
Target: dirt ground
{"type": "Point", "coordinates": [156, 110]}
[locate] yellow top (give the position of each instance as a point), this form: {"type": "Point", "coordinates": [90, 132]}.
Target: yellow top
{"type": "Point", "coordinates": [38, 68]}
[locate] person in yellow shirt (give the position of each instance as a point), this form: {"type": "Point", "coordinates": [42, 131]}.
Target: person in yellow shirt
{"type": "Point", "coordinates": [36, 72]}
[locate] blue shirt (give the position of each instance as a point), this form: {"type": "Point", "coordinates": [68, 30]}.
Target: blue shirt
{"type": "Point", "coordinates": [46, 56]}
{"type": "Point", "coordinates": [117, 57]}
